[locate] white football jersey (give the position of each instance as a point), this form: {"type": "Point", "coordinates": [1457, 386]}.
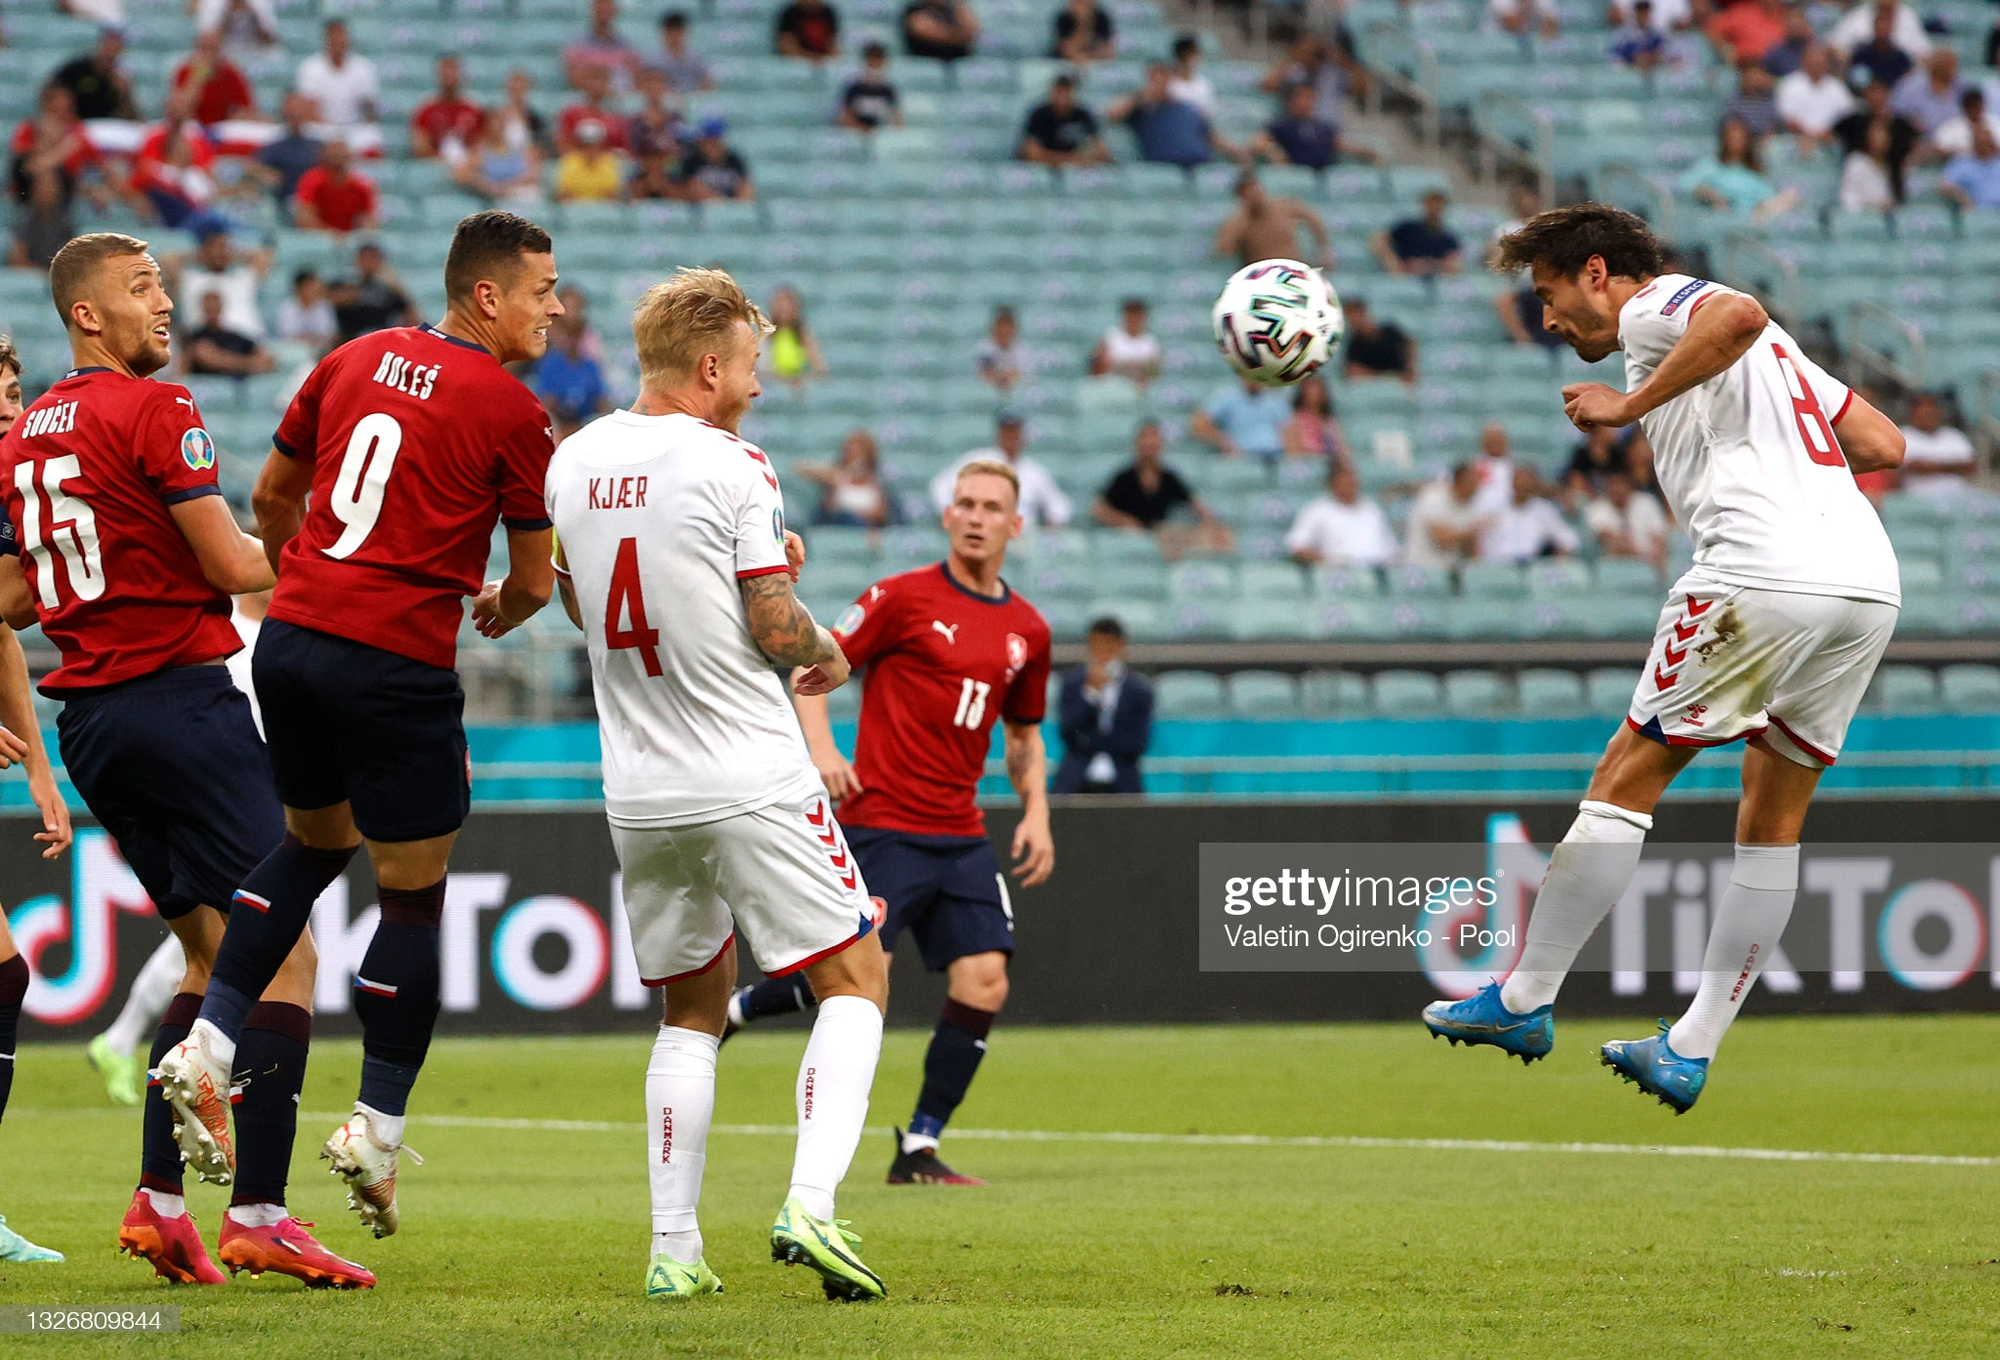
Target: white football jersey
{"type": "Point", "coordinates": [659, 518]}
{"type": "Point", "coordinates": [1749, 462]}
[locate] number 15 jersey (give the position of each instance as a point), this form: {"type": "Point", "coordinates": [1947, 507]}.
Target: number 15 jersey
{"type": "Point", "coordinates": [418, 443]}
{"type": "Point", "coordinates": [1749, 462]}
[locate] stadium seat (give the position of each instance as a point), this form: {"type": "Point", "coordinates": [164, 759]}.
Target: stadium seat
{"type": "Point", "coordinates": [1278, 581]}
{"type": "Point", "coordinates": [1341, 580]}
{"type": "Point", "coordinates": [1407, 694]}
{"type": "Point", "coordinates": [1189, 694]}
{"type": "Point", "coordinates": [1903, 689]}
{"type": "Point", "coordinates": [1609, 689]}
{"type": "Point", "coordinates": [1627, 575]}
{"type": "Point", "coordinates": [1970, 688]}
{"type": "Point", "coordinates": [1493, 580]}
{"type": "Point", "coordinates": [1263, 694]}
{"type": "Point", "coordinates": [1333, 692]}
{"type": "Point", "coordinates": [1548, 693]}
{"type": "Point", "coordinates": [1475, 694]}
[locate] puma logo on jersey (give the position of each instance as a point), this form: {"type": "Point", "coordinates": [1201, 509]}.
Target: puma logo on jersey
{"type": "Point", "coordinates": [874, 594]}
{"type": "Point", "coordinates": [185, 402]}
{"type": "Point", "coordinates": [950, 631]}
{"type": "Point", "coordinates": [397, 372]}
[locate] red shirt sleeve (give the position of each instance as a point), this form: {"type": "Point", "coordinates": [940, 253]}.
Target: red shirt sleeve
{"type": "Point", "coordinates": [175, 454]}
{"type": "Point", "coordinates": [298, 433]}
{"type": "Point", "coordinates": [370, 202]}
{"type": "Point", "coordinates": [871, 625]}
{"type": "Point", "coordinates": [524, 469]}
{"type": "Point", "coordinates": [1028, 696]}
{"type": "Point", "coordinates": [309, 184]}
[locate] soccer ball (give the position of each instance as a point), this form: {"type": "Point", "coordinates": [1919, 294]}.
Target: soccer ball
{"type": "Point", "coordinates": [1277, 321]}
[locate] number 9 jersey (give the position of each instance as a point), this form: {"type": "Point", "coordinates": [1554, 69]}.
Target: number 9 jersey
{"type": "Point", "coordinates": [418, 443]}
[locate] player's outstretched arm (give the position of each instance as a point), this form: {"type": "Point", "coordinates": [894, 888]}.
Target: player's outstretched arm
{"type": "Point", "coordinates": [529, 584]}
{"type": "Point", "coordinates": [1870, 439]}
{"type": "Point", "coordinates": [231, 560]}
{"type": "Point", "coordinates": [279, 502]}
{"type": "Point", "coordinates": [1028, 772]}
{"type": "Point", "coordinates": [1722, 331]}
{"type": "Point", "coordinates": [21, 739]}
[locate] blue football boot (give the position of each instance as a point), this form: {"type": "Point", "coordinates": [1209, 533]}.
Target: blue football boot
{"type": "Point", "coordinates": [1483, 1019]}
{"type": "Point", "coordinates": [1654, 1067]}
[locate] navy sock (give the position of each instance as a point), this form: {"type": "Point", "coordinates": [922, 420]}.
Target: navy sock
{"type": "Point", "coordinates": [13, 986]}
{"type": "Point", "coordinates": [267, 916]}
{"type": "Point", "coordinates": [270, 1069]}
{"type": "Point", "coordinates": [957, 1045]}
{"type": "Point", "coordinates": [396, 995]}
{"type": "Point", "coordinates": [160, 1155]}
{"type": "Point", "coordinates": [778, 996]}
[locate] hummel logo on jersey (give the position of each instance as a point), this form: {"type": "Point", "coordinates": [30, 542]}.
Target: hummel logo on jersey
{"type": "Point", "coordinates": [950, 631]}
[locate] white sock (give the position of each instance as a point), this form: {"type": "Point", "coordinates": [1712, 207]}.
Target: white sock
{"type": "Point", "coordinates": [220, 1046]}
{"type": "Point", "coordinates": [155, 986]}
{"type": "Point", "coordinates": [680, 1105]}
{"type": "Point", "coordinates": [834, 1080]}
{"type": "Point", "coordinates": [1754, 909]}
{"type": "Point", "coordinates": [917, 1142]}
{"type": "Point", "coordinates": [1587, 874]}
{"type": "Point", "coordinates": [388, 1128]}
{"type": "Point", "coordinates": [166, 1205]}
{"type": "Point", "coordinates": [735, 1011]}
{"type": "Point", "coordinates": [258, 1215]}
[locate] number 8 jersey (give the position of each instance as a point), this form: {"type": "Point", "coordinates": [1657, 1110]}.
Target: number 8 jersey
{"type": "Point", "coordinates": [1749, 462]}
{"type": "Point", "coordinates": [91, 472]}
{"type": "Point", "coordinates": [418, 443]}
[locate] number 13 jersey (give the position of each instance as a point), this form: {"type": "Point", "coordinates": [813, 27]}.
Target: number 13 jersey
{"type": "Point", "coordinates": [1749, 462]}
{"type": "Point", "coordinates": [418, 443]}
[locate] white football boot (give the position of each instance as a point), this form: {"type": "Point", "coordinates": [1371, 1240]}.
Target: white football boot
{"type": "Point", "coordinates": [368, 1165]}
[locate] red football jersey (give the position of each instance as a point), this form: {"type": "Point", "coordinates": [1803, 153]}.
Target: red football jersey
{"type": "Point", "coordinates": [418, 442]}
{"type": "Point", "coordinates": [941, 665]}
{"type": "Point", "coordinates": [90, 474]}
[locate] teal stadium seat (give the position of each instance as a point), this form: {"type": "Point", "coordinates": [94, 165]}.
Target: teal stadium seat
{"type": "Point", "coordinates": [1408, 694]}
{"type": "Point", "coordinates": [1475, 693]}
{"type": "Point", "coordinates": [1903, 689]}
{"type": "Point", "coordinates": [1185, 694]}
{"type": "Point", "coordinates": [1609, 690]}
{"type": "Point", "coordinates": [1342, 692]}
{"type": "Point", "coordinates": [1263, 694]}
{"type": "Point", "coordinates": [1549, 693]}
{"type": "Point", "coordinates": [1970, 688]}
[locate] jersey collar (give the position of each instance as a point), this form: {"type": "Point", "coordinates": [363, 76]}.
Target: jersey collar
{"type": "Point", "coordinates": [81, 372]}
{"type": "Point", "coordinates": [1006, 591]}
{"type": "Point", "coordinates": [435, 333]}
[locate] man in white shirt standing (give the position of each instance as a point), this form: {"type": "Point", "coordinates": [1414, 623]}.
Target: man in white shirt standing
{"type": "Point", "coordinates": [1343, 526]}
{"type": "Point", "coordinates": [1496, 469]}
{"type": "Point", "coordinates": [1771, 637]}
{"type": "Point", "coordinates": [1812, 99]}
{"type": "Point", "coordinates": [1528, 526]}
{"type": "Point", "coordinates": [341, 84]}
{"type": "Point", "coordinates": [677, 566]}
{"type": "Point", "coordinates": [1042, 500]}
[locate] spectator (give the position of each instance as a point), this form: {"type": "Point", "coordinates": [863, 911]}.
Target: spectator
{"type": "Point", "coordinates": [1299, 136]}
{"type": "Point", "coordinates": [594, 83]}
{"type": "Point", "coordinates": [1898, 22]}
{"type": "Point", "coordinates": [213, 348]}
{"type": "Point", "coordinates": [712, 170]}
{"type": "Point", "coordinates": [1168, 131]}
{"type": "Point", "coordinates": [944, 30]}
{"type": "Point", "coordinates": [1733, 179]}
{"type": "Point", "coordinates": [499, 171]}
{"type": "Point", "coordinates": [1753, 104]}
{"type": "Point", "coordinates": [372, 300]}
{"type": "Point", "coordinates": [331, 197]}
{"type": "Point", "coordinates": [1955, 137]}
{"type": "Point", "coordinates": [1248, 419]}
{"type": "Point", "coordinates": [1789, 53]}
{"type": "Point", "coordinates": [1314, 430]}
{"type": "Point", "coordinates": [685, 72]}
{"type": "Point", "coordinates": [1267, 228]}
{"type": "Point", "coordinates": [792, 353]}
{"type": "Point", "coordinates": [851, 492]}
{"type": "Point", "coordinates": [1881, 57]}
{"type": "Point", "coordinates": [1444, 524]}
{"type": "Point", "coordinates": [1060, 131]}
{"type": "Point", "coordinates": [43, 225]}
{"type": "Point", "coordinates": [1495, 466]}
{"type": "Point", "coordinates": [241, 23]}
{"type": "Point", "coordinates": [1000, 362]}
{"type": "Point", "coordinates": [1042, 501]}
{"type": "Point", "coordinates": [1929, 97]}
{"type": "Point", "coordinates": [601, 48]}
{"type": "Point", "coordinates": [1663, 16]}
{"type": "Point", "coordinates": [870, 99]}
{"type": "Point", "coordinates": [1628, 522]}
{"type": "Point", "coordinates": [1146, 495]}
{"type": "Point", "coordinates": [1641, 44]}
{"type": "Point", "coordinates": [1867, 179]}
{"type": "Point", "coordinates": [1523, 318]}
{"type": "Point", "coordinates": [1189, 84]}
{"type": "Point", "coordinates": [1129, 350]}
{"type": "Point", "coordinates": [1852, 131]}
{"type": "Point", "coordinates": [52, 143]}
{"type": "Point", "coordinates": [569, 382]}
{"type": "Point", "coordinates": [1341, 527]}
{"type": "Point", "coordinates": [283, 162]}
{"type": "Point", "coordinates": [655, 134]}
{"type": "Point", "coordinates": [1972, 178]}
{"type": "Point", "coordinates": [1523, 18]}
{"type": "Point", "coordinates": [98, 83]}
{"type": "Point", "coordinates": [305, 318]}
{"type": "Point", "coordinates": [1527, 527]}
{"type": "Point", "coordinates": [1377, 349]}
{"type": "Point", "coordinates": [1596, 457]}
{"type": "Point", "coordinates": [1421, 246]}
{"type": "Point", "coordinates": [1083, 32]}
{"type": "Point", "coordinates": [233, 275]}
{"type": "Point", "coordinates": [523, 126]}
{"type": "Point", "coordinates": [1812, 99]}
{"type": "Point", "coordinates": [215, 85]}
{"type": "Point", "coordinates": [171, 176]}
{"type": "Point", "coordinates": [590, 172]}
{"type": "Point", "coordinates": [1747, 30]}
{"type": "Point", "coordinates": [342, 86]}
{"type": "Point", "coordinates": [809, 29]}
{"type": "Point", "coordinates": [576, 306]}
{"type": "Point", "coordinates": [1106, 716]}
{"type": "Point", "coordinates": [1323, 65]}
{"type": "Point", "coordinates": [447, 125]}
{"type": "Point", "coordinates": [1936, 457]}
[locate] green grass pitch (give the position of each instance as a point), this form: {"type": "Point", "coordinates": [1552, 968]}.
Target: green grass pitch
{"type": "Point", "coordinates": [528, 1243]}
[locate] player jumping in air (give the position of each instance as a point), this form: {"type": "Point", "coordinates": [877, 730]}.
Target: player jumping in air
{"type": "Point", "coordinates": [949, 649]}
{"type": "Point", "coordinates": [20, 740]}
{"type": "Point", "coordinates": [680, 574]}
{"type": "Point", "coordinates": [1770, 637]}
{"type": "Point", "coordinates": [128, 556]}
{"type": "Point", "coordinates": [412, 443]}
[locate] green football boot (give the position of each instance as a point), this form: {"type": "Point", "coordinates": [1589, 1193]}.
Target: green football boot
{"type": "Point", "coordinates": [797, 1238]}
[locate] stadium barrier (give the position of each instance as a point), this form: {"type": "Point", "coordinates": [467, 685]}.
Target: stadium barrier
{"type": "Point", "coordinates": [535, 940]}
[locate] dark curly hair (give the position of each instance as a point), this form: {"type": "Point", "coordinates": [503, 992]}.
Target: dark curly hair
{"type": "Point", "coordinates": [1562, 240]}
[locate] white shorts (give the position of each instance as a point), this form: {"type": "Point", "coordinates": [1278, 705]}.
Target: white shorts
{"type": "Point", "coordinates": [1730, 662]}
{"type": "Point", "coordinates": [783, 874]}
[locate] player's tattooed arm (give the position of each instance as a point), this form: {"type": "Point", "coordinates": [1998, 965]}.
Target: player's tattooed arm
{"type": "Point", "coordinates": [784, 629]}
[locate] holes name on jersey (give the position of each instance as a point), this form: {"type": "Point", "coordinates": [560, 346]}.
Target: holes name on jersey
{"type": "Point", "coordinates": [405, 376]}
{"type": "Point", "coordinates": [57, 419]}
{"type": "Point", "coordinates": [617, 493]}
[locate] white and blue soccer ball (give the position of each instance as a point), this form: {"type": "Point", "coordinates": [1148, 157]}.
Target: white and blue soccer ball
{"type": "Point", "coordinates": [1277, 321]}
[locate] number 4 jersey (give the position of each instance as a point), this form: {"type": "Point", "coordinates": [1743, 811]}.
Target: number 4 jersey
{"type": "Point", "coordinates": [661, 518]}
{"type": "Point", "coordinates": [91, 474]}
{"type": "Point", "coordinates": [418, 443]}
{"type": "Point", "coordinates": [1749, 462]}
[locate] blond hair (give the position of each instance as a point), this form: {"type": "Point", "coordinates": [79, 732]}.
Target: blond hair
{"type": "Point", "coordinates": [692, 314]}
{"type": "Point", "coordinates": [74, 270]}
{"type": "Point", "coordinates": [991, 467]}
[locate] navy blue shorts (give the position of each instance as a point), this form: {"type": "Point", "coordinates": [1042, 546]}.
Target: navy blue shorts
{"type": "Point", "coordinates": [946, 890]}
{"type": "Point", "coordinates": [349, 723]}
{"type": "Point", "coordinates": [171, 764]}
